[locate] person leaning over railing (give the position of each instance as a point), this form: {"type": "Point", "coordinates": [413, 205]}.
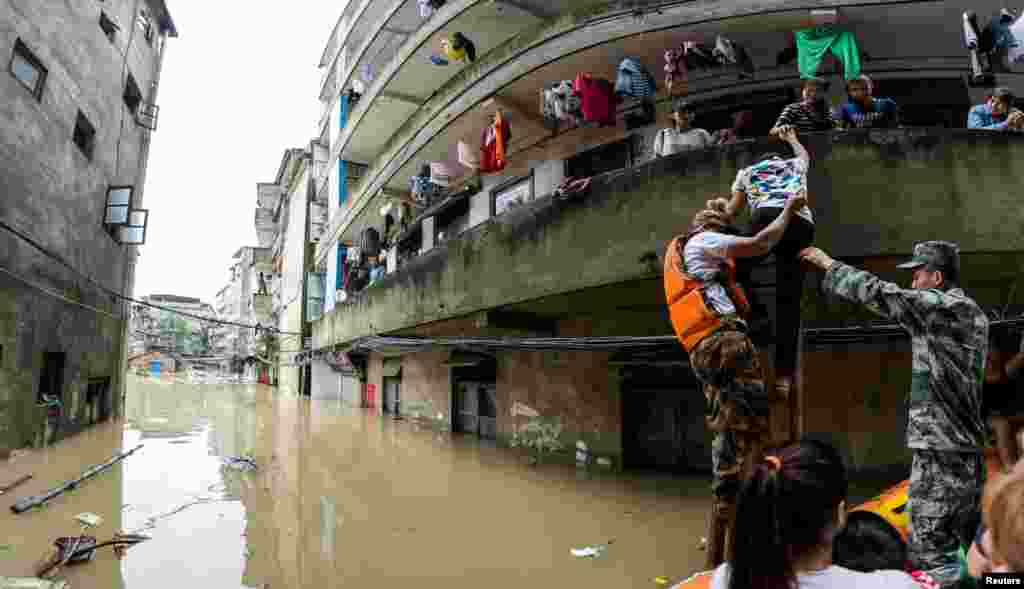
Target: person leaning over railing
{"type": "Point", "coordinates": [997, 113]}
{"type": "Point", "coordinates": [810, 114]}
{"type": "Point", "coordinates": [863, 111]}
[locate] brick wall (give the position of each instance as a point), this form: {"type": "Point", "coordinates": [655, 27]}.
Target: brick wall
{"type": "Point", "coordinates": [577, 387]}
{"type": "Point", "coordinates": [426, 379]}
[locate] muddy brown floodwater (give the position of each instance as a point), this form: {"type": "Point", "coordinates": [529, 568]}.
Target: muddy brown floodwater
{"type": "Point", "coordinates": [341, 498]}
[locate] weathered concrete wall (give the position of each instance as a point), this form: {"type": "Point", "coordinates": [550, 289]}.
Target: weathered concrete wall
{"type": "Point", "coordinates": [52, 191]}
{"type": "Point", "coordinates": [578, 388]}
{"type": "Point", "coordinates": [874, 194]}
{"type": "Point", "coordinates": [855, 395]}
{"type": "Point", "coordinates": [426, 386]}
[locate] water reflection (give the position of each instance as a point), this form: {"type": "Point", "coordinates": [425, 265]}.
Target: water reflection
{"type": "Point", "coordinates": [343, 496]}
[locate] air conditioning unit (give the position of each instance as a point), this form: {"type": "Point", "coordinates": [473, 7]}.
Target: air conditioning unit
{"type": "Point", "coordinates": [147, 115]}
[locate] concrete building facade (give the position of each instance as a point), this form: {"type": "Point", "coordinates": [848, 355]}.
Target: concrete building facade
{"type": "Point", "coordinates": [79, 107]}
{"type": "Point", "coordinates": [177, 325]}
{"type": "Point", "coordinates": [235, 305]}
{"type": "Point", "coordinates": [285, 222]}
{"type": "Point", "coordinates": [506, 258]}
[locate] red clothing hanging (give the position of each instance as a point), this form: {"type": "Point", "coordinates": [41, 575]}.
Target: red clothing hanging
{"type": "Point", "coordinates": [494, 145]}
{"type": "Point", "coordinates": [597, 98]}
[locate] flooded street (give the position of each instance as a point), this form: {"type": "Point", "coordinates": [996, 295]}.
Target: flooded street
{"type": "Point", "coordinates": [339, 496]}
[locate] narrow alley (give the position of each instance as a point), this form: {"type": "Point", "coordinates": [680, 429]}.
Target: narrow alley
{"type": "Point", "coordinates": [339, 496]}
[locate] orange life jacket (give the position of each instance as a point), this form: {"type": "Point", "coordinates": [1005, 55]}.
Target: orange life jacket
{"type": "Point", "coordinates": [691, 317]}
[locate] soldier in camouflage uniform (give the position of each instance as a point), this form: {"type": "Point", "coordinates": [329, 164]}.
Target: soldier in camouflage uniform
{"type": "Point", "coordinates": [945, 430]}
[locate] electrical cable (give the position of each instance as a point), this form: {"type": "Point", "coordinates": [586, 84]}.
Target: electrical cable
{"type": "Point", "coordinates": [55, 294]}
{"type": "Point", "coordinates": [45, 251]}
{"type": "Point", "coordinates": [814, 336]}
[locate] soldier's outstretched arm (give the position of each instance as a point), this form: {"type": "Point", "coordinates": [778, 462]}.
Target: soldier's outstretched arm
{"type": "Point", "coordinates": [908, 307]}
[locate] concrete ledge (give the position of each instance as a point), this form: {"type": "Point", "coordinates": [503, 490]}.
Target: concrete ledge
{"type": "Point", "coordinates": [874, 193]}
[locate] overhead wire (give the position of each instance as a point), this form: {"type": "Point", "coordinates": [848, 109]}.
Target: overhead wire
{"type": "Point", "coordinates": [59, 259]}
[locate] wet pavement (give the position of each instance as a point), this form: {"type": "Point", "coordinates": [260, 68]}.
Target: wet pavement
{"type": "Point", "coordinates": [339, 496]}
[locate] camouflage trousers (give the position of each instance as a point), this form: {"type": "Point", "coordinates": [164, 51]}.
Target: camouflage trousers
{"type": "Point", "coordinates": [737, 410]}
{"type": "Point", "coordinates": [944, 504]}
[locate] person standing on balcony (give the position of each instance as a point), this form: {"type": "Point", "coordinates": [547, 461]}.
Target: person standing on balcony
{"type": "Point", "coordinates": [681, 136]}
{"type": "Point", "coordinates": [945, 431]}
{"type": "Point", "coordinates": [997, 114]}
{"type": "Point", "coordinates": [707, 309]}
{"type": "Point", "coordinates": [810, 114]}
{"type": "Point", "coordinates": [767, 187]}
{"type": "Point", "coordinates": [863, 110]}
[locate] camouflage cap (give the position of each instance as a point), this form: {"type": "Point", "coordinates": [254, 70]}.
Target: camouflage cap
{"type": "Point", "coordinates": [941, 255]}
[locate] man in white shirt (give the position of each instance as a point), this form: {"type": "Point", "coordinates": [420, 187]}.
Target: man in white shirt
{"type": "Point", "coordinates": [681, 136]}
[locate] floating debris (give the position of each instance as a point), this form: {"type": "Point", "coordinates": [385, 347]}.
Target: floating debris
{"type": "Point", "coordinates": [89, 519]}
{"type": "Point", "coordinates": [242, 463]}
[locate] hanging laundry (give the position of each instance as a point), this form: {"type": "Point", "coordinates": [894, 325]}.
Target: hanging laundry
{"type": "Point", "coordinates": [455, 47]}
{"type": "Point", "coordinates": [997, 34]}
{"type": "Point", "coordinates": [729, 53]}
{"type": "Point", "coordinates": [698, 56]}
{"type": "Point", "coordinates": [441, 174]}
{"type": "Point", "coordinates": [813, 43]}
{"type": "Point", "coordinates": [971, 31]}
{"type": "Point", "coordinates": [437, 4]}
{"type": "Point", "coordinates": [459, 42]}
{"type": "Point", "coordinates": [467, 156]}
{"type": "Point", "coordinates": [634, 80]}
{"type": "Point", "coordinates": [597, 99]}
{"type": "Point", "coordinates": [676, 71]}
{"type": "Point", "coordinates": [560, 104]}
{"type": "Point", "coordinates": [724, 51]}
{"type": "Point", "coordinates": [981, 63]}
{"type": "Point", "coordinates": [427, 9]}
{"type": "Point", "coordinates": [423, 190]}
{"type": "Point", "coordinates": [494, 145]}
{"type": "Point", "coordinates": [1015, 54]}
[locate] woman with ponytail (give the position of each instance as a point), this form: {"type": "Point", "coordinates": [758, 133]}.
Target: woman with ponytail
{"type": "Point", "coordinates": [788, 511]}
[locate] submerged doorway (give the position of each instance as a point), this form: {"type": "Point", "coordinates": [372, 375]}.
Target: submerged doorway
{"type": "Point", "coordinates": [663, 420]}
{"type": "Point", "coordinates": [392, 382]}
{"type": "Point", "coordinates": [97, 399]}
{"type": "Point", "coordinates": [474, 396]}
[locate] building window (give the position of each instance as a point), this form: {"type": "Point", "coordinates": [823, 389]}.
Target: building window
{"type": "Point", "coordinates": [356, 171]}
{"type": "Point", "coordinates": [27, 69]}
{"type": "Point", "coordinates": [132, 95]}
{"type": "Point", "coordinates": [85, 135]}
{"type": "Point", "coordinates": [513, 194]}
{"type": "Point", "coordinates": [108, 26]}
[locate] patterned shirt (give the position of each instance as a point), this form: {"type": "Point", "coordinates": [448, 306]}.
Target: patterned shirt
{"type": "Point", "coordinates": [805, 119]}
{"type": "Point", "coordinates": [949, 339]}
{"type": "Point", "coordinates": [770, 183]}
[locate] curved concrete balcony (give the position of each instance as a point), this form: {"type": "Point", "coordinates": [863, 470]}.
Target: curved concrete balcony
{"type": "Point", "coordinates": [874, 194]}
{"type": "Point", "coordinates": [516, 72]}
{"type": "Point", "coordinates": [408, 78]}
